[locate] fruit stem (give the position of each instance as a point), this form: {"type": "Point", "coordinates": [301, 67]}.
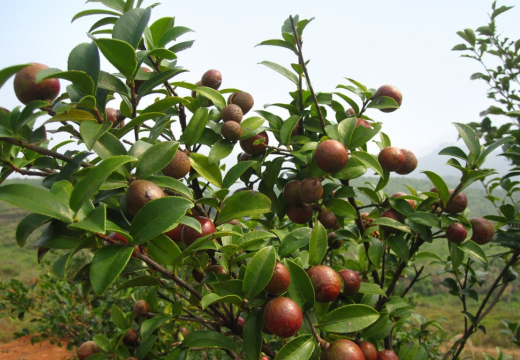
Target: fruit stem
{"type": "Point", "coordinates": [320, 341]}
{"type": "Point", "coordinates": [307, 78]}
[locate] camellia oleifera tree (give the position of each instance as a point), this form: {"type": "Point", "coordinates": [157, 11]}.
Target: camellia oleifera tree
{"type": "Point", "coordinates": [295, 263]}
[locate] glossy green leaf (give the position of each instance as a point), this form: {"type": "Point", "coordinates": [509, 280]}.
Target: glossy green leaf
{"type": "Point", "coordinates": [219, 151]}
{"type": "Point", "coordinates": [90, 184]}
{"type": "Point", "coordinates": [215, 298]}
{"type": "Point", "coordinates": [145, 280]}
{"type": "Point", "coordinates": [7, 72]}
{"type": "Point", "coordinates": [111, 83]}
{"type": "Point", "coordinates": [91, 131]}
{"type": "Point", "coordinates": [79, 78]}
{"type": "Point", "coordinates": [348, 319]}
{"type": "Point", "coordinates": [36, 200]}
{"type": "Point", "coordinates": [425, 218]}
{"type": "Point", "coordinates": [439, 184]}
{"type": "Point", "coordinates": [253, 236]}
{"type": "Point", "coordinates": [399, 247]}
{"type": "Point", "coordinates": [252, 334]}
{"type": "Point", "coordinates": [300, 287]}
{"type": "Point", "coordinates": [235, 172]}
{"type": "Point", "coordinates": [120, 54]}
{"type": "Point", "coordinates": [172, 34]}
{"type": "Point", "coordinates": [294, 240]}
{"type": "Point", "coordinates": [383, 102]}
{"type": "Point", "coordinates": [157, 217]}
{"type": "Point", "coordinates": [384, 221]}
{"type": "Point", "coordinates": [93, 12]}
{"type": "Point", "coordinates": [107, 264]}
{"type": "Point", "coordinates": [362, 135]}
{"type": "Point", "coordinates": [456, 254]}
{"type": "Point", "coordinates": [159, 27]}
{"type": "Point", "coordinates": [371, 288]}
{"type": "Point", "coordinates": [251, 125]}
{"type": "Point", "coordinates": [280, 43]}
{"type": "Point", "coordinates": [300, 348]}
{"type": "Point", "coordinates": [341, 208]}
{"type": "Point", "coordinates": [210, 172]}
{"type": "Point", "coordinates": [259, 271]}
{"type": "Point", "coordinates": [287, 128]}
{"type": "Point", "coordinates": [208, 339]}
{"type": "Point", "coordinates": [369, 160]}
{"type": "Point", "coordinates": [243, 203]}
{"type": "Point", "coordinates": [317, 244]}
{"type": "Point", "coordinates": [158, 79]}
{"type": "Point", "coordinates": [118, 318]}
{"type": "Point", "coordinates": [195, 127]}
{"type": "Point", "coordinates": [28, 225]}
{"type": "Point", "coordinates": [150, 325]}
{"type": "Point", "coordinates": [284, 71]}
{"type": "Point", "coordinates": [156, 158]}
{"type": "Point", "coordinates": [130, 26]}
{"type": "Point", "coordinates": [137, 121]}
{"type": "Point", "coordinates": [73, 115]}
{"type": "Point", "coordinates": [211, 94]}
{"type": "Point", "coordinates": [95, 222]}
{"type": "Point", "coordinates": [470, 138]}
{"type": "Point", "coordinates": [109, 146]}
{"type": "Point", "coordinates": [163, 250]}
{"type": "Point", "coordinates": [454, 151]}
{"type": "Point", "coordinates": [474, 251]}
{"type": "Point", "coordinates": [172, 184]}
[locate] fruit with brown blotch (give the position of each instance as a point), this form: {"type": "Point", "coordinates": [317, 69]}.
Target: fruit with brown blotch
{"type": "Point", "coordinates": [456, 233]}
{"type": "Point", "coordinates": [458, 204]}
{"type": "Point", "coordinates": [369, 350]}
{"type": "Point", "coordinates": [175, 233]}
{"type": "Point", "coordinates": [326, 283]}
{"type": "Point", "coordinates": [391, 158]}
{"type": "Point", "coordinates": [212, 79]}
{"type": "Point", "coordinates": [350, 112]}
{"type": "Point", "coordinates": [291, 192]}
{"type": "Point", "coordinates": [390, 91]}
{"type": "Point", "coordinates": [231, 130]}
{"type": "Point", "coordinates": [138, 83]}
{"type": "Point", "coordinates": [232, 112]}
{"type": "Point", "coordinates": [363, 123]}
{"type": "Point", "coordinates": [111, 115]}
{"type": "Point", "coordinates": [387, 355]}
{"type": "Point", "coordinates": [399, 194]}
{"type": "Point", "coordinates": [131, 337]}
{"type": "Point", "coordinates": [410, 163]}
{"type": "Point", "coordinates": [333, 241]}
{"type": "Point", "coordinates": [27, 90]}
{"type": "Point", "coordinates": [141, 192]}
{"type": "Point", "coordinates": [342, 349]}
{"type": "Point", "coordinates": [280, 280]}
{"type": "Point", "coordinates": [179, 167]}
{"type": "Point", "coordinates": [248, 144]}
{"type": "Point", "coordinates": [331, 156]}
{"type": "Point", "coordinates": [311, 190]}
{"type": "Point", "coordinates": [327, 219]}
{"type": "Point", "coordinates": [87, 349]}
{"type": "Point", "coordinates": [483, 230]}
{"type": "Point", "coordinates": [215, 269]}
{"type": "Point", "coordinates": [283, 317]}
{"type": "Point", "coordinates": [351, 282]}
{"type": "Point", "coordinates": [140, 307]}
{"type": "Point", "coordinates": [300, 214]}
{"type": "Point", "coordinates": [243, 100]}
{"type": "Point", "coordinates": [394, 215]}
{"type": "Point", "coordinates": [189, 235]}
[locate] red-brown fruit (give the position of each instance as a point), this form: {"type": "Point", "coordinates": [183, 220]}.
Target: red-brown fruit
{"type": "Point", "coordinates": [334, 242]}
{"type": "Point", "coordinates": [131, 337]}
{"type": "Point", "coordinates": [197, 275]}
{"type": "Point", "coordinates": [456, 233]}
{"type": "Point", "coordinates": [351, 282]}
{"type": "Point", "coordinates": [27, 90]}
{"type": "Point", "coordinates": [300, 214]}
{"type": "Point", "coordinates": [249, 147]}
{"type": "Point", "coordinates": [387, 355]}
{"type": "Point", "coordinates": [244, 157]}
{"type": "Point", "coordinates": [350, 112]}
{"type": "Point", "coordinates": [212, 79]}
{"type": "Point", "coordinates": [291, 192]}
{"type": "Point", "coordinates": [364, 123]}
{"type": "Point", "coordinates": [189, 235]}
{"type": "Point", "coordinates": [141, 192]}
{"type": "Point", "coordinates": [140, 307]}
{"type": "Point", "coordinates": [394, 215]}
{"type": "Point", "coordinates": [179, 167]}
{"type": "Point", "coordinates": [369, 350]}
{"type": "Point", "coordinates": [193, 92]}
{"type": "Point", "coordinates": [399, 194]}
{"type": "Point", "coordinates": [391, 158]}
{"type": "Point", "coordinates": [283, 317]}
{"type": "Point", "coordinates": [138, 83]}
{"type": "Point", "coordinates": [482, 230]}
{"type": "Point", "coordinates": [327, 219]}
{"type": "Point", "coordinates": [342, 349]}
{"type": "Point", "coordinates": [264, 358]}
{"type": "Point", "coordinates": [242, 99]}
{"type": "Point", "coordinates": [280, 280]}
{"type": "Point", "coordinates": [311, 190]}
{"type": "Point", "coordinates": [118, 237]}
{"type": "Point", "coordinates": [458, 204]}
{"type": "Point", "coordinates": [184, 332]}
{"type": "Point", "coordinates": [216, 269]}
{"type": "Point", "coordinates": [111, 115]}
{"type": "Point", "coordinates": [410, 163]}
{"type": "Point", "coordinates": [87, 349]}
{"type": "Point", "coordinates": [232, 112]}
{"type": "Point", "coordinates": [231, 130]}
{"type": "Point", "coordinates": [331, 156]}
{"type": "Point", "coordinates": [175, 233]}
{"type": "Point", "coordinates": [390, 91]}
{"type": "Point", "coordinates": [241, 321]}
{"type": "Point", "coordinates": [326, 283]}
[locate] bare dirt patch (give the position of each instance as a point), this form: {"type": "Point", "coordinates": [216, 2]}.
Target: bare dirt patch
{"type": "Point", "coordinates": [21, 349]}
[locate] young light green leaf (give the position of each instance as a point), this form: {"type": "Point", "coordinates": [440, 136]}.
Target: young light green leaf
{"type": "Point", "coordinates": [317, 244]}
{"type": "Point", "coordinates": [470, 139]}
{"type": "Point", "coordinates": [368, 159]}
{"type": "Point", "coordinates": [371, 288]}
{"type": "Point", "coordinates": [149, 326]}
{"type": "Point", "coordinates": [439, 184]}
{"type": "Point", "coordinates": [210, 172]}
{"type": "Point", "coordinates": [259, 271]}
{"type": "Point", "coordinates": [384, 221]}
{"type": "Point", "coordinates": [284, 71]}
{"type": "Point", "coordinates": [243, 203]}
{"type": "Point", "coordinates": [172, 184]}
{"type": "Point", "coordinates": [91, 131]}
{"type": "Point", "coordinates": [120, 54]}
{"type": "Point", "coordinates": [156, 158]}
{"type": "Point", "coordinates": [211, 94]}
{"type": "Point", "coordinates": [294, 240]}
{"type": "Point", "coordinates": [214, 298]}
{"type": "Point", "coordinates": [107, 264]}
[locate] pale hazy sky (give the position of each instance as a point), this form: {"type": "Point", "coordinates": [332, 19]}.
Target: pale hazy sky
{"type": "Point", "coordinates": [403, 43]}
